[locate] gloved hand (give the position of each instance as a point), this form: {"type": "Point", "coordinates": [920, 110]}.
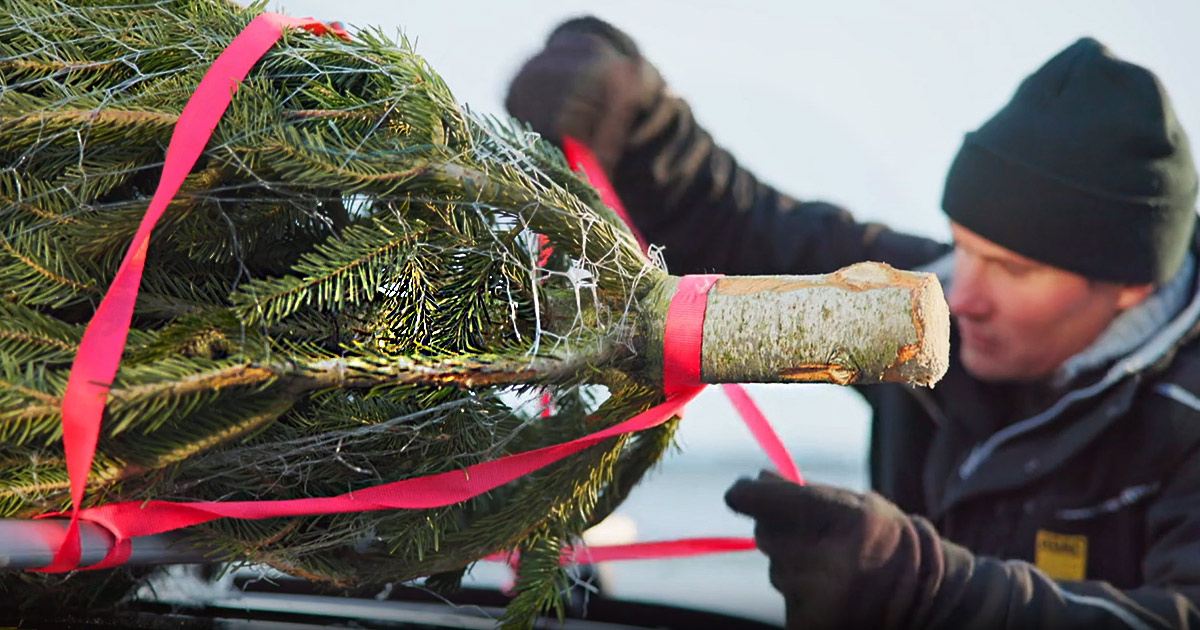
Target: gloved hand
{"type": "Point", "coordinates": [589, 82]}
{"type": "Point", "coordinates": [842, 559]}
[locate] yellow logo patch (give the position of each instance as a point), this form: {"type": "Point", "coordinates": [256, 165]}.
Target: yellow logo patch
{"type": "Point", "coordinates": [1061, 556]}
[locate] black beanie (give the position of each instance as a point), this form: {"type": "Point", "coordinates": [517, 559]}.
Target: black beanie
{"type": "Point", "coordinates": [1086, 169]}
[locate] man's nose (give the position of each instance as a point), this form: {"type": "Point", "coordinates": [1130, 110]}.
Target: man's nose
{"type": "Point", "coordinates": [968, 296]}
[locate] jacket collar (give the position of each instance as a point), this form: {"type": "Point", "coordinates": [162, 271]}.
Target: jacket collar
{"type": "Point", "coordinates": [1136, 327]}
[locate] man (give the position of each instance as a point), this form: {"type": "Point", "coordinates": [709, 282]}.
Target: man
{"type": "Point", "coordinates": [1052, 479]}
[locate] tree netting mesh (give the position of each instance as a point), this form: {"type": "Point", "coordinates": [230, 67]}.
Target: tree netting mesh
{"type": "Point", "coordinates": [348, 290]}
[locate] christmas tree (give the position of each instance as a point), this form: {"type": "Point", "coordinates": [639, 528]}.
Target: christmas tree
{"type": "Point", "coordinates": [350, 289]}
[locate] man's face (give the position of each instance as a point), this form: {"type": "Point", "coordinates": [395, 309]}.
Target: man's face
{"type": "Point", "coordinates": [1019, 319]}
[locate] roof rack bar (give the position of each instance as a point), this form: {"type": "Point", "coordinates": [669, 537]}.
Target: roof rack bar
{"type": "Point", "coordinates": [30, 544]}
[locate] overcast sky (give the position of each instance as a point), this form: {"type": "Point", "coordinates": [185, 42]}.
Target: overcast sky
{"type": "Point", "coordinates": [860, 102]}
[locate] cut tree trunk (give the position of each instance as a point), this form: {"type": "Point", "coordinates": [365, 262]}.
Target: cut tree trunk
{"type": "Point", "coordinates": [867, 323]}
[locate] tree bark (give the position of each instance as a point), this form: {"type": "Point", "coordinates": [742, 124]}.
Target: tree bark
{"type": "Point", "coordinates": [866, 323]}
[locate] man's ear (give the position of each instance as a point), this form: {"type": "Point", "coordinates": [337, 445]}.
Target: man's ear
{"type": "Point", "coordinates": [1129, 295]}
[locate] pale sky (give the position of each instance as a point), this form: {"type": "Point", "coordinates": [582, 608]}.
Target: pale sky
{"type": "Point", "coordinates": [859, 102]}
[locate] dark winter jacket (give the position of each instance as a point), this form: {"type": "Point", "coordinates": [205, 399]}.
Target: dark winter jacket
{"type": "Point", "coordinates": [1080, 499]}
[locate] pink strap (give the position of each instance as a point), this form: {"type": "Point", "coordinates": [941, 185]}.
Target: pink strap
{"type": "Point", "coordinates": [681, 370]}
{"type": "Point", "coordinates": [133, 518]}
{"type": "Point", "coordinates": [659, 549]}
{"type": "Point", "coordinates": [581, 158]}
{"type": "Point", "coordinates": [136, 518]}
{"type": "Point", "coordinates": [641, 551]}
{"type": "Point", "coordinates": [683, 340]}
{"type": "Point", "coordinates": [763, 433]}
{"type": "Point", "coordinates": [686, 342]}
{"type": "Point", "coordinates": [104, 339]}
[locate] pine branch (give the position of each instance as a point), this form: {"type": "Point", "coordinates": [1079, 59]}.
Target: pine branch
{"type": "Point", "coordinates": [34, 275]}
{"type": "Point", "coordinates": [339, 273]}
{"type": "Point", "coordinates": [541, 582]}
{"type": "Point", "coordinates": [28, 337]}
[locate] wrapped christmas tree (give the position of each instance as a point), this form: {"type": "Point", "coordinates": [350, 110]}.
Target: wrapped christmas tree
{"type": "Point", "coordinates": [359, 282]}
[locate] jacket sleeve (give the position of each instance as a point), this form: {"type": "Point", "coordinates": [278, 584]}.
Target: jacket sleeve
{"type": "Point", "coordinates": [691, 197]}
{"type": "Point", "coordinates": [977, 592]}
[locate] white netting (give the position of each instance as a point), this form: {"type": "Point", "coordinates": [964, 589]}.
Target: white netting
{"type": "Point", "coordinates": [349, 288]}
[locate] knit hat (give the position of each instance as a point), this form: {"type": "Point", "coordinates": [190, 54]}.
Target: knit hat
{"type": "Point", "coordinates": [1086, 169]}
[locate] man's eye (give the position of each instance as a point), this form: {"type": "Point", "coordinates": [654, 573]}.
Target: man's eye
{"type": "Point", "coordinates": [1015, 269]}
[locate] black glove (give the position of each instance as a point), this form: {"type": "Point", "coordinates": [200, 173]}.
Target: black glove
{"type": "Point", "coordinates": [589, 82]}
{"type": "Point", "coordinates": [842, 559]}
